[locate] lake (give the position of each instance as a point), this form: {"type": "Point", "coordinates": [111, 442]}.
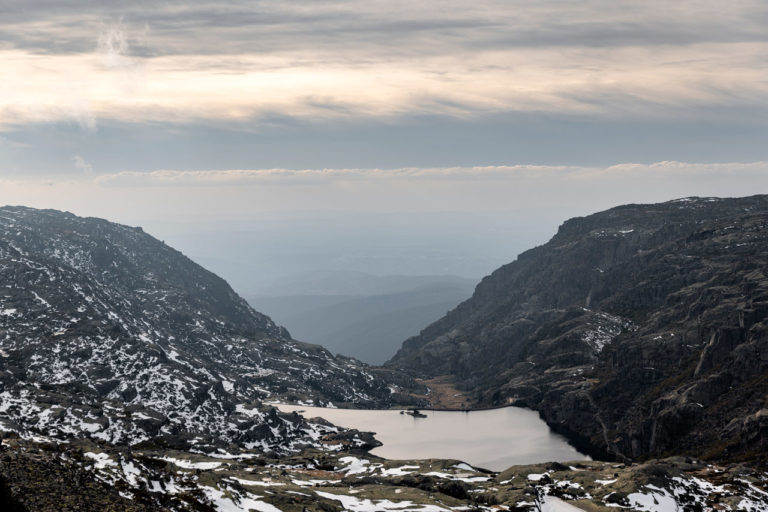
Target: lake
{"type": "Point", "coordinates": [493, 439]}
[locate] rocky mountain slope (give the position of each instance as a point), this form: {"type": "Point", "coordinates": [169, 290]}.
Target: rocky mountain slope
{"type": "Point", "coordinates": [107, 333]}
{"type": "Point", "coordinates": [638, 331]}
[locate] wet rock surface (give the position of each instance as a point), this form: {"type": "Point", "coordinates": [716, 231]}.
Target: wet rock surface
{"type": "Point", "coordinates": [641, 331]}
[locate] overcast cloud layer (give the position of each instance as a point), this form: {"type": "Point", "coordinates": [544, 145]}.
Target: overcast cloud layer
{"type": "Point", "coordinates": [240, 61]}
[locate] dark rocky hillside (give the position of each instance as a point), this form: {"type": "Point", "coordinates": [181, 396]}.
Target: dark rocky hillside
{"type": "Point", "coordinates": [638, 331]}
{"type": "Point", "coordinates": [107, 333]}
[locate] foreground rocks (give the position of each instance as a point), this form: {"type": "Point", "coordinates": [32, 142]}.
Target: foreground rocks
{"type": "Point", "coordinates": [82, 475]}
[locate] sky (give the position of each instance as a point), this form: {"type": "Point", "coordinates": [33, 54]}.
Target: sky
{"type": "Point", "coordinates": [268, 138]}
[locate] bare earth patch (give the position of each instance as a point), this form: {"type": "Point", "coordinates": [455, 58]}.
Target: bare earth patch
{"type": "Point", "coordinates": [444, 394]}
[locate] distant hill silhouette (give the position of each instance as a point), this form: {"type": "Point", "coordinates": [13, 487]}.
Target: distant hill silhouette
{"type": "Point", "coordinates": [363, 316]}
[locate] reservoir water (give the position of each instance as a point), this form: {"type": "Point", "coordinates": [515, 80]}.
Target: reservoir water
{"type": "Point", "coordinates": [493, 439]}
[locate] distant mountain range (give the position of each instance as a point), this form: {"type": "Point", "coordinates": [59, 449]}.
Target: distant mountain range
{"type": "Point", "coordinates": [361, 315]}
{"type": "Point", "coordinates": [638, 331]}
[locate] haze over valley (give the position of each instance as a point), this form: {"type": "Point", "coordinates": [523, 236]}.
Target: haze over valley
{"type": "Point", "coordinates": [361, 315]}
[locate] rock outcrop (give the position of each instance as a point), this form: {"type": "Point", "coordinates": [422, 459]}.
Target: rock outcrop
{"type": "Point", "coordinates": [639, 331]}
{"type": "Point", "coordinates": [108, 333]}
{"type": "Point", "coordinates": [41, 477]}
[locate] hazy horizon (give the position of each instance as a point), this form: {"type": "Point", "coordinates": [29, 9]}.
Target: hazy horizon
{"type": "Point", "coordinates": [256, 253]}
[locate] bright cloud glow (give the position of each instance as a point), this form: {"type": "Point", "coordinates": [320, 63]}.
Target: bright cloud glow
{"type": "Point", "coordinates": [636, 81]}
{"type": "Point", "coordinates": [235, 61]}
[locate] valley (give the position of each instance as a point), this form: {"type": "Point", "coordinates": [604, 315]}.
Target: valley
{"type": "Point", "coordinates": [133, 379]}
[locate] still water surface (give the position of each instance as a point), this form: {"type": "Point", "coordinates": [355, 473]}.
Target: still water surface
{"type": "Point", "coordinates": [494, 439]}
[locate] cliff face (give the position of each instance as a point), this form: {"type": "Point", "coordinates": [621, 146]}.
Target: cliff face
{"type": "Point", "coordinates": [639, 331]}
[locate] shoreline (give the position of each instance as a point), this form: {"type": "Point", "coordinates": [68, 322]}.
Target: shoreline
{"type": "Point", "coordinates": [574, 442]}
{"type": "Point", "coordinates": [433, 409]}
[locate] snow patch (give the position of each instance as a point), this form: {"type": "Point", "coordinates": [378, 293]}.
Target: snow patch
{"type": "Point", "coordinates": [365, 505]}
{"type": "Point", "coordinates": [188, 464]}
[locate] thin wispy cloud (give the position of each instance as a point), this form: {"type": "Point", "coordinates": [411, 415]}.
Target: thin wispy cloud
{"type": "Point", "coordinates": [114, 45]}
{"type": "Point", "coordinates": [493, 187]}
{"type": "Point", "coordinates": [414, 175]}
{"type": "Point", "coordinates": [82, 165]}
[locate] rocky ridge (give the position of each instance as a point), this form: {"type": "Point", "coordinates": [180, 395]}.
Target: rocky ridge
{"type": "Point", "coordinates": [639, 331]}
{"type": "Point", "coordinates": [109, 334]}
